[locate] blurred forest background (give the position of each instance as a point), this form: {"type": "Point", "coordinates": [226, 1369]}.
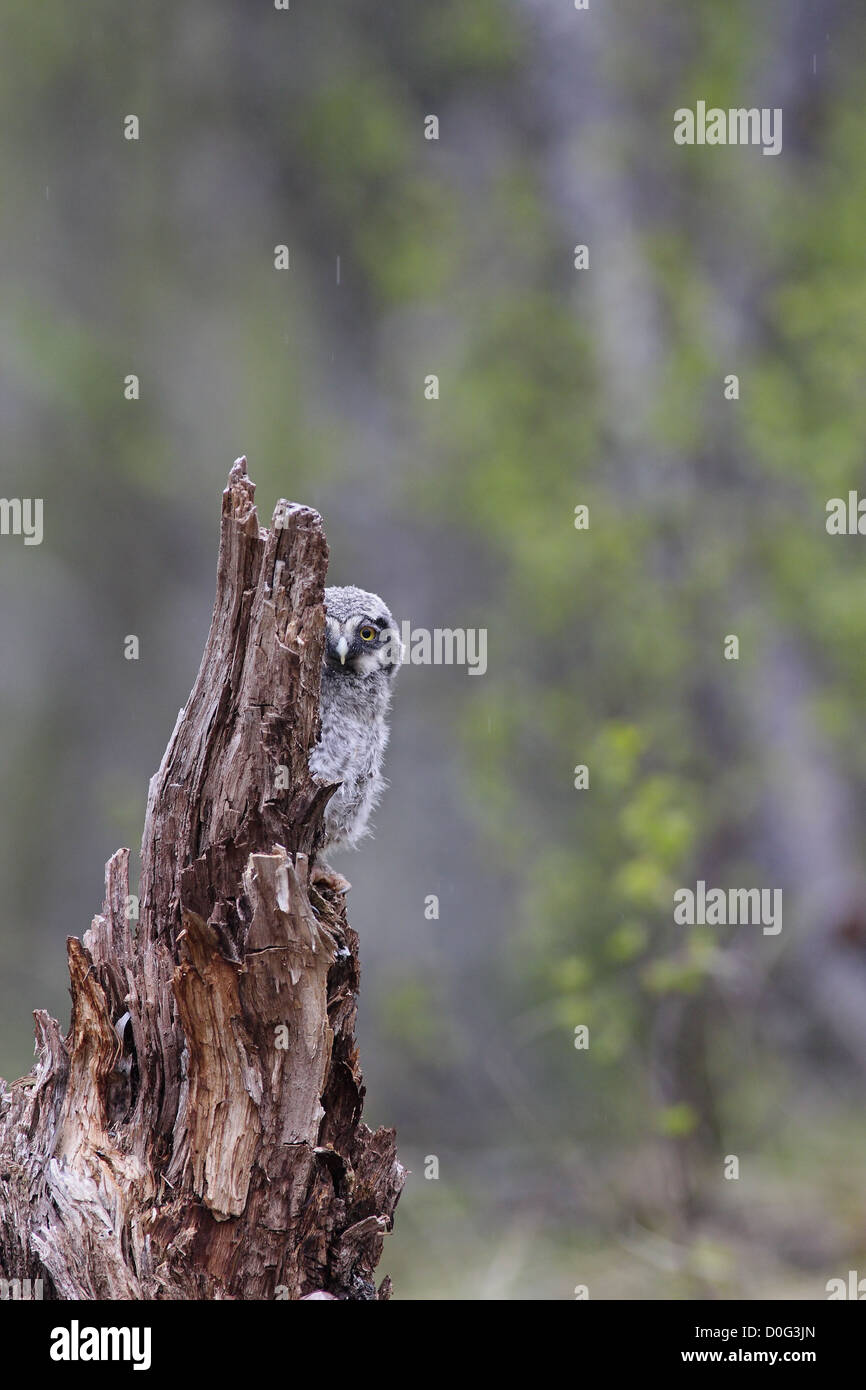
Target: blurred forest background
{"type": "Point", "coordinates": [604, 386]}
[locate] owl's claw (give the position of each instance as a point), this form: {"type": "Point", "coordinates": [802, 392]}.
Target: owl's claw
{"type": "Point", "coordinates": [323, 876]}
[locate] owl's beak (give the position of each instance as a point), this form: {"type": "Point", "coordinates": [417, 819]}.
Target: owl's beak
{"type": "Point", "coordinates": [342, 650]}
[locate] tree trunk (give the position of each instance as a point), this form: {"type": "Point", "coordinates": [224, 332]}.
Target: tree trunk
{"type": "Point", "coordinates": [198, 1134]}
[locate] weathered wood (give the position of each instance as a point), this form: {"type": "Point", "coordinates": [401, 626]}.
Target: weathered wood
{"type": "Point", "coordinates": [198, 1134]}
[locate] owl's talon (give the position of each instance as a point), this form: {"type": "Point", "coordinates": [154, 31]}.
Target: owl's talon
{"type": "Point", "coordinates": [323, 876]}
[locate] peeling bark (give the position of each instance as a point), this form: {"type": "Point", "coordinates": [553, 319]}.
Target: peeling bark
{"type": "Point", "coordinates": [198, 1134]}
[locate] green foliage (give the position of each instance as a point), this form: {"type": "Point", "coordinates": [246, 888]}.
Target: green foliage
{"type": "Point", "coordinates": [706, 517]}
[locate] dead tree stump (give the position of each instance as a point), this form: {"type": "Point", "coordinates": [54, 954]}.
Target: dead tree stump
{"type": "Point", "coordinates": [198, 1134]}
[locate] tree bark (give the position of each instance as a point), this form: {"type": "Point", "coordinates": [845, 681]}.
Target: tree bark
{"type": "Point", "coordinates": [198, 1134]}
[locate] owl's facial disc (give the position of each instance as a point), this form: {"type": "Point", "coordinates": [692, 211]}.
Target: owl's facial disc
{"type": "Point", "coordinates": [362, 645]}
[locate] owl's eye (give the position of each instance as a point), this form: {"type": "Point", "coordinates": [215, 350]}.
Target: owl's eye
{"type": "Point", "coordinates": [368, 634]}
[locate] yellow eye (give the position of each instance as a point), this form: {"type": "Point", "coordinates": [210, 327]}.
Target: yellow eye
{"type": "Point", "coordinates": [368, 634]}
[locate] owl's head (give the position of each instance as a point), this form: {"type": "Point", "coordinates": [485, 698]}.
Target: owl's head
{"type": "Point", "coordinates": [362, 638]}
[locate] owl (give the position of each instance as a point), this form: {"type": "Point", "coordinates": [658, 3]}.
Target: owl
{"type": "Point", "coordinates": [363, 652]}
